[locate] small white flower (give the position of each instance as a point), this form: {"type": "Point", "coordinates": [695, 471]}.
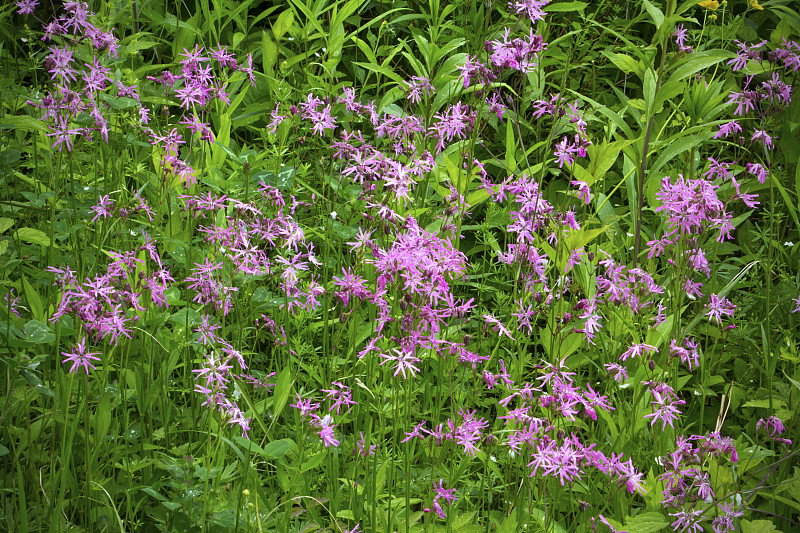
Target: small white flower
{"type": "Point", "coordinates": [788, 243]}
{"type": "Point", "coordinates": [333, 215]}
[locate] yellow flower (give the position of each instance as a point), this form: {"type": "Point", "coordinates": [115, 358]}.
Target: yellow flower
{"type": "Point", "coordinates": [710, 4]}
{"type": "Point", "coordinates": [755, 5]}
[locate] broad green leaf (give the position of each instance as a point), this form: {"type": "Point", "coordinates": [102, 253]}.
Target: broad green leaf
{"type": "Point", "coordinates": [624, 62]}
{"type": "Point", "coordinates": [758, 526]}
{"type": "Point", "coordinates": [667, 91]}
{"type": "Point", "coordinates": [22, 122]}
{"type": "Point", "coordinates": [655, 13]}
{"type": "Point", "coordinates": [283, 24]}
{"type": "Point", "coordinates": [509, 525]}
{"type": "Point", "coordinates": [36, 382]}
{"type": "Point", "coordinates": [546, 522]}
{"type": "Point", "coordinates": [222, 138]}
{"type": "Point", "coordinates": [646, 523]}
{"type": "Point", "coordinates": [5, 223]}
{"type": "Point", "coordinates": [32, 236]}
{"type": "Point", "coordinates": [37, 332]}
{"type": "Point", "coordinates": [277, 448]}
{"type": "Point", "coordinates": [698, 61]}
{"type": "Point", "coordinates": [676, 147]}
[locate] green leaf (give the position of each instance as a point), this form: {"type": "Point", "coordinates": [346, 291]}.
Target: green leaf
{"type": "Point", "coordinates": [5, 223]}
{"type": "Point", "coordinates": [649, 90]}
{"type": "Point", "coordinates": [154, 493]}
{"type": "Point", "coordinates": [511, 148]}
{"type": "Point", "coordinates": [656, 14]}
{"type": "Point", "coordinates": [544, 520]}
{"type": "Point", "coordinates": [380, 69]}
{"type": "Point", "coordinates": [698, 61]}
{"type": "Point", "coordinates": [37, 383]}
{"type": "Point", "coordinates": [283, 387]}
{"type": "Point", "coordinates": [312, 462]}
{"type": "Point", "coordinates": [509, 525]}
{"type": "Point", "coordinates": [758, 526]}
{"type": "Point", "coordinates": [646, 523]}
{"type": "Point", "coordinates": [38, 332]}
{"type": "Point", "coordinates": [678, 146]}
{"type": "Point", "coordinates": [32, 236]}
{"type": "Point", "coordinates": [22, 122]}
{"type": "Point", "coordinates": [278, 448]}
{"type": "Point", "coordinates": [34, 302]}
{"type": "Point", "coordinates": [788, 202]}
{"type": "Point", "coordinates": [624, 62]}
{"type": "Point", "coordinates": [283, 24]}
{"type": "Point", "coordinates": [562, 7]}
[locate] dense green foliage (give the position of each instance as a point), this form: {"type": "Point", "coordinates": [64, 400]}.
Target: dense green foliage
{"type": "Point", "coordinates": [376, 265]}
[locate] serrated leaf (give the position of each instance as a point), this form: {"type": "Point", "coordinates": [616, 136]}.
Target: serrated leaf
{"type": "Point", "coordinates": [5, 223]}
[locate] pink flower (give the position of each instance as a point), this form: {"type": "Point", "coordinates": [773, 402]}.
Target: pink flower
{"type": "Point", "coordinates": [717, 307]}
{"type": "Point", "coordinates": [80, 357]}
{"type": "Point", "coordinates": [405, 360]}
{"type": "Point", "coordinates": [26, 7]}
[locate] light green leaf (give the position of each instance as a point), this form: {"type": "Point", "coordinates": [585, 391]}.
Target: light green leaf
{"type": "Point", "coordinates": [278, 448]}
{"type": "Point", "coordinates": [511, 148]}
{"type": "Point", "coordinates": [624, 62]}
{"type": "Point", "coordinates": [32, 236]}
{"type": "Point", "coordinates": [380, 69]}
{"type": "Point", "coordinates": [22, 122]}
{"type": "Point", "coordinates": [562, 7]}
{"type": "Point", "coordinates": [698, 61]}
{"type": "Point", "coordinates": [656, 14]}
{"type": "Point", "coordinates": [34, 301]}
{"type": "Point", "coordinates": [509, 525]}
{"type": "Point", "coordinates": [646, 523]}
{"type": "Point", "coordinates": [37, 332]}
{"type": "Point", "coordinates": [5, 223]}
{"type": "Point", "coordinates": [283, 24]}
{"type": "Point", "coordinates": [283, 387]}
{"type": "Point", "coordinates": [649, 90]}
{"type": "Point", "coordinates": [758, 526]}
